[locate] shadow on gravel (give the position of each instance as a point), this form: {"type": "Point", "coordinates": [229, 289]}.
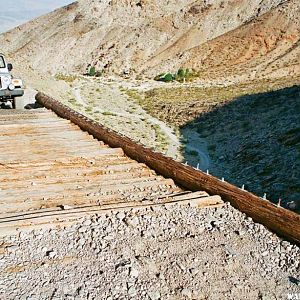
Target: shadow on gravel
{"type": "Point", "coordinates": [27, 106]}
{"type": "Point", "coordinates": [35, 105]}
{"type": "Point", "coordinates": [255, 140]}
{"type": "Point", "coordinates": [5, 106]}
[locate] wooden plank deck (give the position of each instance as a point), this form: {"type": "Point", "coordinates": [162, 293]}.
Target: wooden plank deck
{"type": "Point", "coordinates": [48, 163]}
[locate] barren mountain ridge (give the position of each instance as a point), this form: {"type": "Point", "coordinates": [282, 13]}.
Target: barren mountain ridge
{"type": "Point", "coordinates": [149, 36]}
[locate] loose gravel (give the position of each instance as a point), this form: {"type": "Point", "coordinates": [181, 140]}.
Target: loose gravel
{"type": "Point", "coordinates": [179, 252]}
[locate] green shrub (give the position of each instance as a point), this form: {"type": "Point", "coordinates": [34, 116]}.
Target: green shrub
{"type": "Point", "coordinates": [67, 78]}
{"type": "Point", "coordinates": [183, 74]}
{"type": "Point", "coordinates": [108, 113]}
{"type": "Point", "coordinates": [212, 147]}
{"type": "Point", "coordinates": [193, 153]}
{"type": "Point", "coordinates": [165, 77]}
{"type": "Point", "coordinates": [92, 71]}
{"type": "Point", "coordinates": [180, 75]}
{"type": "Point", "coordinates": [98, 73]}
{"type": "Point", "coordinates": [168, 77]}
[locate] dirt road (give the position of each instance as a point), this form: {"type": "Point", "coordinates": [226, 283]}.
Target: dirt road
{"type": "Point", "coordinates": [111, 101]}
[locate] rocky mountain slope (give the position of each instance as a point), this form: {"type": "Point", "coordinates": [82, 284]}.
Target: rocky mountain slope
{"type": "Point", "coordinates": [267, 47]}
{"type": "Point", "coordinates": [149, 36]}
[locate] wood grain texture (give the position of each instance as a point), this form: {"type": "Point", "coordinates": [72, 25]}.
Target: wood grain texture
{"type": "Point", "coordinates": [284, 222]}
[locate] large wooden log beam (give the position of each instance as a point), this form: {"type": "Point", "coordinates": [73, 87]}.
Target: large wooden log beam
{"type": "Point", "coordinates": [284, 222]}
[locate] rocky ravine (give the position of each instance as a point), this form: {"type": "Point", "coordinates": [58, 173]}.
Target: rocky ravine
{"type": "Point", "coordinates": [174, 253]}
{"type": "Point", "coordinates": [252, 139]}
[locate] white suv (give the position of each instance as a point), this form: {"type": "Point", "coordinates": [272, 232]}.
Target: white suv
{"type": "Point", "coordinates": [10, 87]}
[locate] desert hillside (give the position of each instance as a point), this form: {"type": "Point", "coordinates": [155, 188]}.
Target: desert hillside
{"type": "Point", "coordinates": [267, 47]}
{"type": "Point", "coordinates": [150, 36]}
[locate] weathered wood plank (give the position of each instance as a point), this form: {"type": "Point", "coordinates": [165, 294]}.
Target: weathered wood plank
{"type": "Point", "coordinates": [15, 223]}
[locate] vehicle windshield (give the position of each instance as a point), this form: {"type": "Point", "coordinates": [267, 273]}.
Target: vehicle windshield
{"type": "Point", "coordinates": [2, 63]}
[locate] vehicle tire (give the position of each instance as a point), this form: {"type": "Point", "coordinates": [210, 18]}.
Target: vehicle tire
{"type": "Point", "coordinates": [13, 103]}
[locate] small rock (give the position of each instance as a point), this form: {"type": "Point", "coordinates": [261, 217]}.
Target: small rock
{"type": "Point", "coordinates": [187, 293]}
{"type": "Point", "coordinates": [51, 253]}
{"type": "Point", "coordinates": [120, 215]}
{"type": "Point", "coordinates": [155, 295]}
{"type": "Point", "coordinates": [132, 221]}
{"type": "Point", "coordinates": [87, 222]}
{"type": "Point", "coordinates": [132, 291]}
{"type": "Point", "coordinates": [12, 248]}
{"type": "Point", "coordinates": [194, 271]}
{"type": "Point", "coordinates": [82, 229]}
{"type": "Point", "coordinates": [22, 235]}
{"type": "Point", "coordinates": [285, 244]}
{"type": "Point", "coordinates": [66, 207]}
{"type": "Point", "coordinates": [134, 272]}
{"type": "Point", "coordinates": [239, 232]}
{"type": "Point", "coordinates": [200, 230]}
{"type": "Point", "coordinates": [81, 241]}
{"type": "Point", "coordinates": [242, 232]}
{"type": "Point", "coordinates": [294, 280]}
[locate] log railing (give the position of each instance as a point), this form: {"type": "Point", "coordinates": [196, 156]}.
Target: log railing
{"type": "Point", "coordinates": [284, 222]}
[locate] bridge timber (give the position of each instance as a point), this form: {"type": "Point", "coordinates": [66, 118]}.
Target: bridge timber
{"type": "Point", "coordinates": [59, 166]}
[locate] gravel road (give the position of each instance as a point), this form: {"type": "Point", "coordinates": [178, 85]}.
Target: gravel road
{"type": "Point", "coordinates": [111, 101]}
{"type": "Point", "coordinates": [141, 115]}
{"type": "Point", "coordinates": [174, 253]}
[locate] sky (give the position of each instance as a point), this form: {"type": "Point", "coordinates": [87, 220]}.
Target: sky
{"type": "Point", "coordinates": [17, 12]}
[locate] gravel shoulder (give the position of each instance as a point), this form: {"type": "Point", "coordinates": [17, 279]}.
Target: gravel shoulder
{"type": "Point", "coordinates": [174, 253]}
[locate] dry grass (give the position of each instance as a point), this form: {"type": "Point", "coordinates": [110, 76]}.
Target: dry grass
{"type": "Point", "coordinates": [179, 105]}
